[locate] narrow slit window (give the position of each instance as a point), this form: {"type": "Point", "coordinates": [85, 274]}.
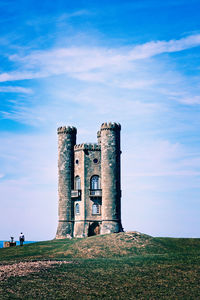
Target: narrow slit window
{"type": "Point", "coordinates": [77, 183]}
{"type": "Point", "coordinates": [77, 209]}
{"type": "Point", "coordinates": [95, 209]}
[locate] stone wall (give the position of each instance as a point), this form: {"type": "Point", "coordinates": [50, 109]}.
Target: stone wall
{"type": "Point", "coordinates": [85, 168]}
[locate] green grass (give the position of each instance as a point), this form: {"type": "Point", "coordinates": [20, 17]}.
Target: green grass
{"type": "Point", "coordinates": [115, 266]}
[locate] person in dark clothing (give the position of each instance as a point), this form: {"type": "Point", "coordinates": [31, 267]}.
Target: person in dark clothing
{"type": "Point", "coordinates": [21, 239]}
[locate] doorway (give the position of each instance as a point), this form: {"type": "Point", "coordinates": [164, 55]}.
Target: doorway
{"type": "Point", "coordinates": [94, 229]}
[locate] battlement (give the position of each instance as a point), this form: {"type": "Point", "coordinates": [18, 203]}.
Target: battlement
{"type": "Point", "coordinates": [67, 129]}
{"type": "Point", "coordinates": [93, 147]}
{"type": "Point", "coordinates": [98, 134]}
{"type": "Point", "coordinates": [110, 126]}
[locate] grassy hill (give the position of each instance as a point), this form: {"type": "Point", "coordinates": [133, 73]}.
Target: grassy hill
{"type": "Point", "coordinates": [126, 265]}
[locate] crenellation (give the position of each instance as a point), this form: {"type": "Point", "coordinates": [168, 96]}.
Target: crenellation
{"type": "Point", "coordinates": [110, 126]}
{"type": "Point", "coordinates": [87, 147]}
{"type": "Point", "coordinates": [67, 129]}
{"type": "Point", "coordinates": [99, 137]}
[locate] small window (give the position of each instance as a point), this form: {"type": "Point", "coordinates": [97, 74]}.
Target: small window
{"type": "Point", "coordinates": [95, 183]}
{"type": "Point", "coordinates": [77, 209]}
{"type": "Point", "coordinates": [77, 183]}
{"type": "Point", "coordinates": [95, 160]}
{"type": "Point", "coordinates": [95, 209]}
{"type": "Point", "coordinates": [77, 161]}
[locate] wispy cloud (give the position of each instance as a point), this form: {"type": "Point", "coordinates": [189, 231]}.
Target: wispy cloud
{"type": "Point", "coordinates": [24, 114]}
{"type": "Point", "coordinates": [15, 89]}
{"type": "Point", "coordinates": [158, 47]}
{"type": "Point", "coordinates": [22, 151]}
{"type": "Point", "coordinates": [161, 165]}
{"type": "Point", "coordinates": [190, 100]}
{"type": "Point", "coordinates": [86, 63]}
{"type": "Point", "coordinates": [39, 21]}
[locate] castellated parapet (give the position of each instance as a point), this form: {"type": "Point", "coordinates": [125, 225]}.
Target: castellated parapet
{"type": "Point", "coordinates": [67, 129]}
{"type": "Point", "coordinates": [111, 126]}
{"type": "Point", "coordinates": [89, 184]}
{"type": "Point", "coordinates": [94, 147]}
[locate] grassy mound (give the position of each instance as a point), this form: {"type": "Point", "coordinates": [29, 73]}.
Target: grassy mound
{"type": "Point", "coordinates": [101, 246]}
{"type": "Point", "coordinates": [126, 265]}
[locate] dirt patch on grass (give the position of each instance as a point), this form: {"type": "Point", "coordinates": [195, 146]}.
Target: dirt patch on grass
{"type": "Point", "coordinates": [25, 268]}
{"type": "Point", "coordinates": [112, 245]}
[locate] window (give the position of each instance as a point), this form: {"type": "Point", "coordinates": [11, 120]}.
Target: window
{"type": "Point", "coordinates": [77, 209]}
{"type": "Point", "coordinates": [95, 183]}
{"type": "Point", "coordinates": [95, 209]}
{"type": "Point", "coordinates": [77, 183]}
{"type": "Point", "coordinates": [95, 160]}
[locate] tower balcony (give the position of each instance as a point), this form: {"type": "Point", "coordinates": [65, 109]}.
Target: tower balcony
{"type": "Point", "coordinates": [76, 194]}
{"type": "Point", "coordinates": [96, 193]}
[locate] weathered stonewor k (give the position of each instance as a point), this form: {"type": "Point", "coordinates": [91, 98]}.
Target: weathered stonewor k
{"type": "Point", "coordinates": [89, 184]}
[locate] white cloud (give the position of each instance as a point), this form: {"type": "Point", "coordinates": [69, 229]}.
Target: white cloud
{"type": "Point", "coordinates": [24, 114]}
{"type": "Point", "coordinates": [21, 75]}
{"type": "Point", "coordinates": [190, 100]}
{"type": "Point", "coordinates": [186, 95]}
{"type": "Point", "coordinates": [161, 158]}
{"type": "Point", "coordinates": [91, 64]}
{"type": "Point", "coordinates": [47, 19]}
{"type": "Point", "coordinates": [15, 89]}
{"type": "Point", "coordinates": [25, 157]}
{"type": "Point", "coordinates": [137, 84]}
{"type": "Point", "coordinates": [122, 68]}
{"type": "Point", "coordinates": [154, 48]}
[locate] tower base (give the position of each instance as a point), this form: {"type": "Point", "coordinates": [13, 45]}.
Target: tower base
{"type": "Point", "coordinates": [64, 230]}
{"type": "Point", "coordinates": [111, 227]}
{"type": "Point", "coordinates": [80, 229]}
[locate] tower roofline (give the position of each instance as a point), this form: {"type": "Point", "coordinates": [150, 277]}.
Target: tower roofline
{"type": "Point", "coordinates": [67, 129]}
{"type": "Point", "coordinates": [87, 146]}
{"type": "Point", "coordinates": [111, 126]}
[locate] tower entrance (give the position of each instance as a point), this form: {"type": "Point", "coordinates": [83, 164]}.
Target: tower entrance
{"type": "Point", "coordinates": [94, 229]}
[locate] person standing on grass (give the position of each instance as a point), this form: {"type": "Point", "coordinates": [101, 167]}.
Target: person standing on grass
{"type": "Point", "coordinates": [21, 239]}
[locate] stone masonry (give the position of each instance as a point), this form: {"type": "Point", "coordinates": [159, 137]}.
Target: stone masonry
{"type": "Point", "coordinates": [89, 185]}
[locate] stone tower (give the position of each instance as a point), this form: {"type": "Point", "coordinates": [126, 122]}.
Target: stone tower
{"type": "Point", "coordinates": [66, 142]}
{"type": "Point", "coordinates": [89, 185]}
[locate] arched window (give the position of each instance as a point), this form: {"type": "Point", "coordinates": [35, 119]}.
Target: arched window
{"type": "Point", "coordinates": [95, 183]}
{"type": "Point", "coordinates": [77, 209]}
{"type": "Point", "coordinates": [95, 209]}
{"type": "Point", "coordinates": [77, 183]}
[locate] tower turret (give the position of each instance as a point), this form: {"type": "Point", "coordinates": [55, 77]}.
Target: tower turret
{"type": "Point", "coordinates": [110, 178]}
{"type": "Point", "coordinates": [99, 137]}
{"type": "Point", "coordinates": [66, 142]}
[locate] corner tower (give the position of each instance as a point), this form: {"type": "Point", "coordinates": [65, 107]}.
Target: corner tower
{"type": "Point", "coordinates": [66, 142]}
{"type": "Point", "coordinates": [110, 178]}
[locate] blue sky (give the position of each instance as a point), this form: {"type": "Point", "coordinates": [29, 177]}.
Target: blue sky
{"type": "Point", "coordinates": [83, 63]}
